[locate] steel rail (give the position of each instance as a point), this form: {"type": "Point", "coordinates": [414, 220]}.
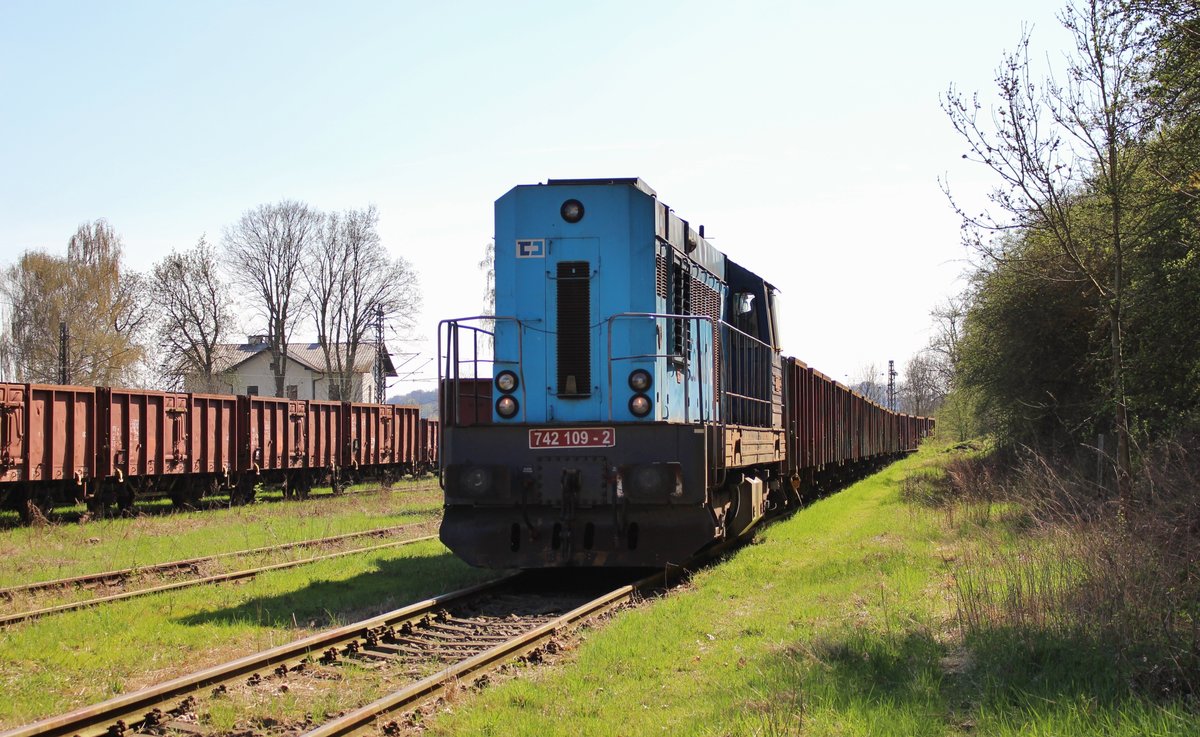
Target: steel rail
{"type": "Point", "coordinates": [124, 573]}
{"type": "Point", "coordinates": [427, 687]}
{"type": "Point", "coordinates": [8, 619]}
{"type": "Point", "coordinates": [132, 708]}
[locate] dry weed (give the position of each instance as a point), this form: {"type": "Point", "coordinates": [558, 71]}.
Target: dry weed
{"type": "Point", "coordinates": [1123, 574]}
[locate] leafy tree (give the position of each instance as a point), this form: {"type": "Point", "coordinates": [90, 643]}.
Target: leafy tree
{"type": "Point", "coordinates": [101, 302]}
{"type": "Point", "coordinates": [1067, 157]}
{"type": "Point", "coordinates": [1024, 357]}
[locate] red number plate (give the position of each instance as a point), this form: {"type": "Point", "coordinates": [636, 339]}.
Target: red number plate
{"type": "Point", "coordinates": [573, 437]}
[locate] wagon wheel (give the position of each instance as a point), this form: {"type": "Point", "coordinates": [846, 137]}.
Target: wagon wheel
{"type": "Point", "coordinates": [243, 493]}
{"type": "Point", "coordinates": [96, 506]}
{"type": "Point", "coordinates": [300, 484]}
{"type": "Point", "coordinates": [125, 496]}
{"type": "Point", "coordinates": [188, 495]}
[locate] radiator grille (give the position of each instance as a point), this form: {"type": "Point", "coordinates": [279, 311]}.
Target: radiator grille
{"type": "Point", "coordinates": [574, 320]}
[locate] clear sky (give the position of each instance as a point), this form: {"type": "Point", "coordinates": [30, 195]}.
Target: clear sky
{"type": "Point", "coordinates": [805, 136]}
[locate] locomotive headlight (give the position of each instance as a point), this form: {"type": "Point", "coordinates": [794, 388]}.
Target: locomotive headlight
{"type": "Point", "coordinates": [506, 406]}
{"type": "Point", "coordinates": [640, 380]}
{"type": "Point", "coordinates": [639, 405]}
{"type": "Point", "coordinates": [506, 381]}
{"type": "Point", "coordinates": [571, 211]}
{"type": "Point", "coordinates": [477, 480]}
{"type": "Point", "coordinates": [649, 479]}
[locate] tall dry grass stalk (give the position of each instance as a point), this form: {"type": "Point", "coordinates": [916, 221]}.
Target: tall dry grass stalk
{"type": "Point", "coordinates": [1124, 576]}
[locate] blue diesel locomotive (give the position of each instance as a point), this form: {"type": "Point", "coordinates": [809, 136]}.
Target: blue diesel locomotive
{"type": "Point", "coordinates": [625, 406]}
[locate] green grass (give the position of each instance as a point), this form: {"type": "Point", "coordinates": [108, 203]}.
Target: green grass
{"type": "Point", "coordinates": [838, 621]}
{"type": "Point", "coordinates": [71, 660]}
{"type": "Point", "coordinates": [30, 554]}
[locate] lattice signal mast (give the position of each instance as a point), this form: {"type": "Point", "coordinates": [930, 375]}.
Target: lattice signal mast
{"type": "Point", "coordinates": [892, 385]}
{"type": "Point", "coordinates": [380, 355]}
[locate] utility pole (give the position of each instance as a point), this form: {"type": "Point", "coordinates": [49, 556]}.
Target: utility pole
{"type": "Point", "coordinates": [892, 385]}
{"type": "Point", "coordinates": [380, 355]}
{"type": "Point", "coordinates": [64, 342]}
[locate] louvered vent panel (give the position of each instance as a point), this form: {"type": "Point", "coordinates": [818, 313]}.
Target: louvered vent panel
{"type": "Point", "coordinates": [660, 276]}
{"type": "Point", "coordinates": [707, 301]}
{"type": "Point", "coordinates": [681, 304]}
{"type": "Point", "coordinates": [574, 318]}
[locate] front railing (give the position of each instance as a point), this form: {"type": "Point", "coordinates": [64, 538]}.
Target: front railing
{"type": "Point", "coordinates": [727, 372]}
{"type": "Point", "coordinates": [697, 362]}
{"type": "Point", "coordinates": [466, 364]}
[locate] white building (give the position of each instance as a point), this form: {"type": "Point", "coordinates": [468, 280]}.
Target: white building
{"type": "Point", "coordinates": [247, 369]}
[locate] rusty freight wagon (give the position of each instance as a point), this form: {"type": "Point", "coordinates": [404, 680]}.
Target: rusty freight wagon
{"type": "Point", "coordinates": [429, 451]}
{"type": "Point", "coordinates": [49, 446]}
{"type": "Point", "coordinates": [142, 442]}
{"type": "Point", "coordinates": [110, 446]}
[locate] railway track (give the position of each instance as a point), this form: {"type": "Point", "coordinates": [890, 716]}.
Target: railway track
{"type": "Point", "coordinates": [145, 506]}
{"type": "Point", "coordinates": [429, 645]}
{"type": "Point", "coordinates": [193, 566]}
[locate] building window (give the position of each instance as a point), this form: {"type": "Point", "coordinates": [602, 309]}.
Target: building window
{"type": "Point", "coordinates": [252, 390]}
{"type": "Point", "coordinates": [292, 392]}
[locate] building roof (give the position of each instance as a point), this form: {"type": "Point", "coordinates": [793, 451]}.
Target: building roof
{"type": "Point", "coordinates": [309, 355]}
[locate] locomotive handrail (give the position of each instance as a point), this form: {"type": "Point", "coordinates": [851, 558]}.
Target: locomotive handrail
{"type": "Point", "coordinates": [454, 361]}
{"type": "Point", "coordinates": [760, 377]}
{"type": "Point", "coordinates": [699, 374]}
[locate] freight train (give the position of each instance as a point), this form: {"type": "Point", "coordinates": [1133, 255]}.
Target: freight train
{"type": "Point", "coordinates": [107, 446]}
{"type": "Point", "coordinates": [629, 404]}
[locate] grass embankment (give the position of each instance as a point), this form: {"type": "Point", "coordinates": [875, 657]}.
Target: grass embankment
{"type": "Point", "coordinates": [70, 660]}
{"type": "Point", "coordinates": [839, 621]}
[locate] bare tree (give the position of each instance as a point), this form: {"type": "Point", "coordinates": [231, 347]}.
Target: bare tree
{"type": "Point", "coordinates": [487, 265]}
{"type": "Point", "coordinates": [264, 251]}
{"type": "Point", "coordinates": [195, 317]}
{"type": "Point", "coordinates": [921, 391]}
{"type": "Point", "coordinates": [8, 368]}
{"type": "Point", "coordinates": [350, 280]}
{"type": "Point", "coordinates": [102, 304]}
{"type": "Point", "coordinates": [867, 384]}
{"type": "Point", "coordinates": [944, 346]}
{"type": "Point", "coordinates": [1067, 156]}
